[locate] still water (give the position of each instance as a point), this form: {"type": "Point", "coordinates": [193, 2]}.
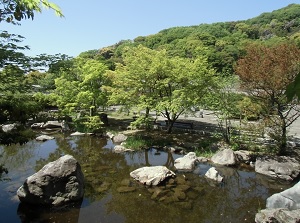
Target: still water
{"type": "Point", "coordinates": [106, 173]}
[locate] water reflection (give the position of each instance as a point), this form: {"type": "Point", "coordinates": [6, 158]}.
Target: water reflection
{"type": "Point", "coordinates": [188, 198]}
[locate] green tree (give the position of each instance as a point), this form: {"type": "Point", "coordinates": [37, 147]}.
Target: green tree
{"type": "Point", "coordinates": [17, 103]}
{"type": "Point", "coordinates": [81, 86]}
{"type": "Point", "coordinates": [150, 80]}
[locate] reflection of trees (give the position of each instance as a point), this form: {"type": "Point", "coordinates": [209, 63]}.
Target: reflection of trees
{"type": "Point", "coordinates": [101, 167]}
{"type": "Point", "coordinates": [169, 163]}
{"type": "Point", "coordinates": [30, 213]}
{"type": "Point", "coordinates": [16, 156]}
{"type": "Point", "coordinates": [237, 199]}
{"type": "Point", "coordinates": [3, 170]}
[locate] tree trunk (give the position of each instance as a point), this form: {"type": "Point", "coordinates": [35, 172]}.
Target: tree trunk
{"type": "Point", "coordinates": [170, 125]}
{"type": "Point", "coordinates": [283, 140]}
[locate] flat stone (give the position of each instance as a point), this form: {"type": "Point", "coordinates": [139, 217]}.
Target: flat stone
{"type": "Point", "coordinates": [152, 175]}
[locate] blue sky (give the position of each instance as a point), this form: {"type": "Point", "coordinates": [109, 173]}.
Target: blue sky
{"type": "Point", "coordinates": [93, 24]}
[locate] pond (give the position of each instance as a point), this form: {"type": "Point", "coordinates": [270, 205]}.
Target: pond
{"type": "Point", "coordinates": [238, 199]}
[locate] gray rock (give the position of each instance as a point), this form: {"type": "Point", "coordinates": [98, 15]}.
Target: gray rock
{"type": "Point", "coordinates": [57, 183]}
{"type": "Point", "coordinates": [243, 156]}
{"type": "Point", "coordinates": [186, 163]}
{"type": "Point", "coordinates": [119, 138]}
{"type": "Point", "coordinates": [278, 216]}
{"type": "Point", "coordinates": [225, 157]}
{"type": "Point", "coordinates": [121, 149]}
{"type": "Point", "coordinates": [202, 159]}
{"type": "Point", "coordinates": [152, 175]}
{"type": "Point", "coordinates": [44, 138]}
{"type": "Point", "coordinates": [281, 167]}
{"type": "Point", "coordinates": [213, 174]}
{"type": "Point", "coordinates": [289, 199]}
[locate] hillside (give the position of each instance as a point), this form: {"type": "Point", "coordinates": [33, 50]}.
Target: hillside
{"type": "Point", "coordinates": [221, 42]}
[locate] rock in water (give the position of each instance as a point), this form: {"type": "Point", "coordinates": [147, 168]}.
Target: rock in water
{"type": "Point", "coordinates": [213, 174]}
{"type": "Point", "coordinates": [225, 157]}
{"type": "Point", "coordinates": [152, 175]}
{"type": "Point", "coordinates": [186, 163]}
{"type": "Point", "coordinates": [57, 183]}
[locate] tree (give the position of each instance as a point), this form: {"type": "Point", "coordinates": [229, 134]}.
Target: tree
{"type": "Point", "coordinates": [16, 102]}
{"type": "Point", "coordinates": [16, 10]}
{"type": "Point", "coordinates": [223, 100]}
{"type": "Point", "coordinates": [10, 51]}
{"type": "Point", "coordinates": [265, 72]}
{"type": "Point", "coordinates": [80, 87]}
{"type": "Point", "coordinates": [150, 80]}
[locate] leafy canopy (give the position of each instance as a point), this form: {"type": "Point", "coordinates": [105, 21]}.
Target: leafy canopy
{"type": "Point", "coordinates": [17, 10]}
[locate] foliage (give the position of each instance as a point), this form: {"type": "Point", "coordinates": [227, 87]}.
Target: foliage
{"type": "Point", "coordinates": [10, 51]}
{"type": "Point", "coordinates": [17, 103]}
{"type": "Point", "coordinates": [80, 87]}
{"type": "Point", "coordinates": [150, 80]}
{"type": "Point", "coordinates": [93, 124]}
{"type": "Point", "coordinates": [223, 99]}
{"type": "Point", "coordinates": [17, 10]}
{"type": "Point", "coordinates": [265, 73]}
{"type": "Point", "coordinates": [143, 121]}
{"type": "Point", "coordinates": [224, 42]}
{"type": "Point", "coordinates": [19, 135]}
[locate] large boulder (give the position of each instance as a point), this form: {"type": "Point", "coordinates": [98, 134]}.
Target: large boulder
{"type": "Point", "coordinates": [57, 183]}
{"type": "Point", "coordinates": [282, 207]}
{"type": "Point", "coordinates": [152, 175]}
{"type": "Point", "coordinates": [225, 157]}
{"type": "Point", "coordinates": [289, 199]}
{"type": "Point", "coordinates": [282, 167]}
{"type": "Point", "coordinates": [187, 162]}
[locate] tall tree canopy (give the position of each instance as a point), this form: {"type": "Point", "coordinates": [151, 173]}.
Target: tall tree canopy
{"type": "Point", "coordinates": [265, 72]}
{"type": "Point", "coordinates": [150, 80]}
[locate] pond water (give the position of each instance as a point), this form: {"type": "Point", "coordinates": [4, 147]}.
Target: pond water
{"type": "Point", "coordinates": [238, 199]}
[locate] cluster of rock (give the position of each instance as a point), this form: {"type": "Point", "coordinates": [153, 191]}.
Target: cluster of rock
{"type": "Point", "coordinates": [57, 183]}
{"type": "Point", "coordinates": [120, 142]}
{"type": "Point", "coordinates": [51, 125]}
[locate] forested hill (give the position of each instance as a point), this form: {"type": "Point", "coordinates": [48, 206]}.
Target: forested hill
{"type": "Point", "coordinates": [221, 42]}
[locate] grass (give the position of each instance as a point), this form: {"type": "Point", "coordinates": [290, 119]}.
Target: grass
{"type": "Point", "coordinates": [137, 142]}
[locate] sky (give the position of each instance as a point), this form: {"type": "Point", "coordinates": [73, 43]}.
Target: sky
{"type": "Point", "coordinates": [94, 24]}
